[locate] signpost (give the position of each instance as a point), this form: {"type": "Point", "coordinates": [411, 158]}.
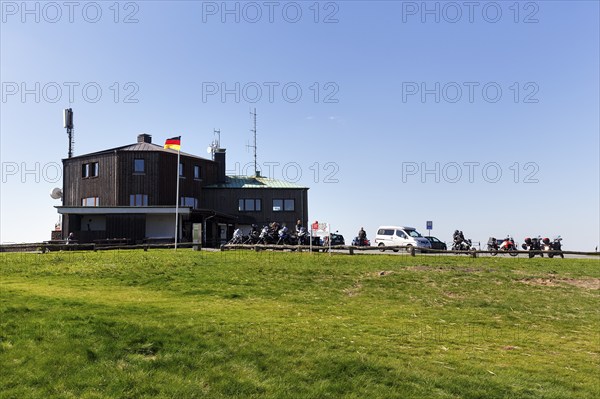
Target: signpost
{"type": "Point", "coordinates": [320, 227]}
{"type": "Point", "coordinates": [429, 226]}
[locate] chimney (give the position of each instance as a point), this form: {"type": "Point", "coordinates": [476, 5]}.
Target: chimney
{"type": "Point", "coordinates": [144, 138]}
{"type": "Point", "coordinates": [220, 160]}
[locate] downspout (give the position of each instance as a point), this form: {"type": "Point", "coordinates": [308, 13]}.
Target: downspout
{"type": "Point", "coordinates": [204, 229]}
{"type": "Point", "coordinates": [116, 173]}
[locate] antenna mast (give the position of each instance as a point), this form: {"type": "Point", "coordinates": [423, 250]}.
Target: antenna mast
{"type": "Point", "coordinates": [68, 124]}
{"type": "Point", "coordinates": [218, 133]}
{"type": "Point", "coordinates": [253, 130]}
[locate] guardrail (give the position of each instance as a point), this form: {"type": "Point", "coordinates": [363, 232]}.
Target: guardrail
{"type": "Point", "coordinates": [49, 247]}
{"type": "Point", "coordinates": [410, 250]}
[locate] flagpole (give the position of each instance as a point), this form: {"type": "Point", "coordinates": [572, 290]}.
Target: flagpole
{"type": "Point", "coordinates": [177, 199]}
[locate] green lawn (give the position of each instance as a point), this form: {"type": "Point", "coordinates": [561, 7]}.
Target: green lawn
{"type": "Point", "coordinates": [186, 324]}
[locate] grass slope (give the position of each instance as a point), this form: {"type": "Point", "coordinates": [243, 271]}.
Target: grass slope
{"type": "Point", "coordinates": [242, 324]}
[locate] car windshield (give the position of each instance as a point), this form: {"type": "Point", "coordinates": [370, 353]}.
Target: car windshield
{"type": "Point", "coordinates": [413, 233]}
{"type": "Point", "coordinates": [433, 239]}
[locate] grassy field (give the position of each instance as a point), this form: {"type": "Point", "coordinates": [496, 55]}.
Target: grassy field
{"type": "Point", "coordinates": [297, 325]}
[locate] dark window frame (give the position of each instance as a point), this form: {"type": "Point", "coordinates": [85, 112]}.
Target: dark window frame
{"type": "Point", "coordinates": [133, 199]}
{"type": "Point", "coordinates": [90, 170]}
{"type": "Point", "coordinates": [284, 202]}
{"type": "Point", "coordinates": [183, 200]}
{"type": "Point", "coordinates": [85, 200]}
{"type": "Point", "coordinates": [256, 205]}
{"type": "Point", "coordinates": [135, 166]}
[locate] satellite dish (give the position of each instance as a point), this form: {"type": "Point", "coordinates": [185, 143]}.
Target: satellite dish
{"type": "Point", "coordinates": [209, 149]}
{"type": "Point", "coordinates": [56, 193]}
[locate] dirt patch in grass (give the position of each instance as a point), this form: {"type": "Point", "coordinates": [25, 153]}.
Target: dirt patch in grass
{"type": "Point", "coordinates": [590, 283]}
{"type": "Point", "coordinates": [354, 290]}
{"type": "Point", "coordinates": [427, 269]}
{"type": "Point", "coordinates": [445, 269]}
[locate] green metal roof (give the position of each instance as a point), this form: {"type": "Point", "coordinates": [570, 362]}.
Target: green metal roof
{"type": "Point", "coordinates": [254, 182]}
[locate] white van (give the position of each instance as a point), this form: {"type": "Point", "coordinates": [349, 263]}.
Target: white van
{"type": "Point", "coordinates": [388, 236]}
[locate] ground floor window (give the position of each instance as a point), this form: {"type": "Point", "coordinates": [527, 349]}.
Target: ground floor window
{"type": "Point", "coordinates": [138, 200]}
{"type": "Point", "coordinates": [90, 201]}
{"type": "Point", "coordinates": [189, 201]}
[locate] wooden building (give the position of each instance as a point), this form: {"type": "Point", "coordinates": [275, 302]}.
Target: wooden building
{"type": "Point", "coordinates": [128, 193]}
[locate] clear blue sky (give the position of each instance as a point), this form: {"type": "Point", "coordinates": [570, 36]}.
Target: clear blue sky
{"type": "Point", "coordinates": [401, 89]}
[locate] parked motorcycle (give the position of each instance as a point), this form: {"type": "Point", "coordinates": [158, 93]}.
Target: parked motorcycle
{"type": "Point", "coordinates": [534, 246]}
{"type": "Point", "coordinates": [237, 237]}
{"type": "Point", "coordinates": [464, 245]}
{"type": "Point", "coordinates": [357, 242]}
{"type": "Point", "coordinates": [284, 237]}
{"type": "Point", "coordinates": [493, 246]}
{"type": "Point", "coordinates": [552, 246]}
{"type": "Point", "coordinates": [253, 237]}
{"type": "Point", "coordinates": [266, 236]}
{"type": "Point", "coordinates": [303, 237]}
{"type": "Point", "coordinates": [460, 243]}
{"type": "Point", "coordinates": [508, 245]}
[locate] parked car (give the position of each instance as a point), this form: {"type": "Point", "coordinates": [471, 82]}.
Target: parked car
{"type": "Point", "coordinates": [336, 239]}
{"type": "Point", "coordinates": [436, 243]}
{"type": "Point", "coordinates": [400, 236]}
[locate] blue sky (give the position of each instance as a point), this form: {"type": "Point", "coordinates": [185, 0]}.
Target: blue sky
{"type": "Point", "coordinates": [393, 104]}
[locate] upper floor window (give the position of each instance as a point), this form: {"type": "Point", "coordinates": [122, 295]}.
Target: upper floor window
{"type": "Point", "coordinates": [188, 201]}
{"type": "Point", "coordinates": [197, 175]}
{"type": "Point", "coordinates": [289, 205]}
{"type": "Point", "coordinates": [90, 201]}
{"type": "Point", "coordinates": [139, 166]}
{"type": "Point", "coordinates": [89, 170]}
{"type": "Point", "coordinates": [250, 205]}
{"type": "Point", "coordinates": [280, 205]}
{"type": "Point", "coordinates": [181, 167]}
{"type": "Point", "coordinates": [138, 200]}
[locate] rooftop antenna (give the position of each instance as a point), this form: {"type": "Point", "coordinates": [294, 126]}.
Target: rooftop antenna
{"type": "Point", "coordinates": [68, 124]}
{"type": "Point", "coordinates": [217, 132]}
{"type": "Point", "coordinates": [216, 143]}
{"type": "Point", "coordinates": [253, 146]}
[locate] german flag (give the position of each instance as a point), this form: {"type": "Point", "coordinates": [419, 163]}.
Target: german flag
{"type": "Point", "coordinates": [174, 143]}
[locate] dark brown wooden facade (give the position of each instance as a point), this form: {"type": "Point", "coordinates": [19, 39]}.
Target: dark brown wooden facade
{"type": "Point", "coordinates": [227, 200]}
{"type": "Point", "coordinates": [98, 189]}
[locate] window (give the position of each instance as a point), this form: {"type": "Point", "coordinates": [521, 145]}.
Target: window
{"type": "Point", "coordinates": [89, 170]}
{"type": "Point", "coordinates": [138, 166]}
{"type": "Point", "coordinates": [181, 167]}
{"type": "Point", "coordinates": [250, 205]}
{"type": "Point", "coordinates": [90, 201]}
{"type": "Point", "coordinates": [287, 205]}
{"type": "Point", "coordinates": [138, 200]}
{"type": "Point", "coordinates": [197, 172]}
{"type": "Point", "coordinates": [188, 201]}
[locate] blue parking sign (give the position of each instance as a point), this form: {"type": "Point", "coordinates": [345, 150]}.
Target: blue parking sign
{"type": "Point", "coordinates": [429, 225]}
